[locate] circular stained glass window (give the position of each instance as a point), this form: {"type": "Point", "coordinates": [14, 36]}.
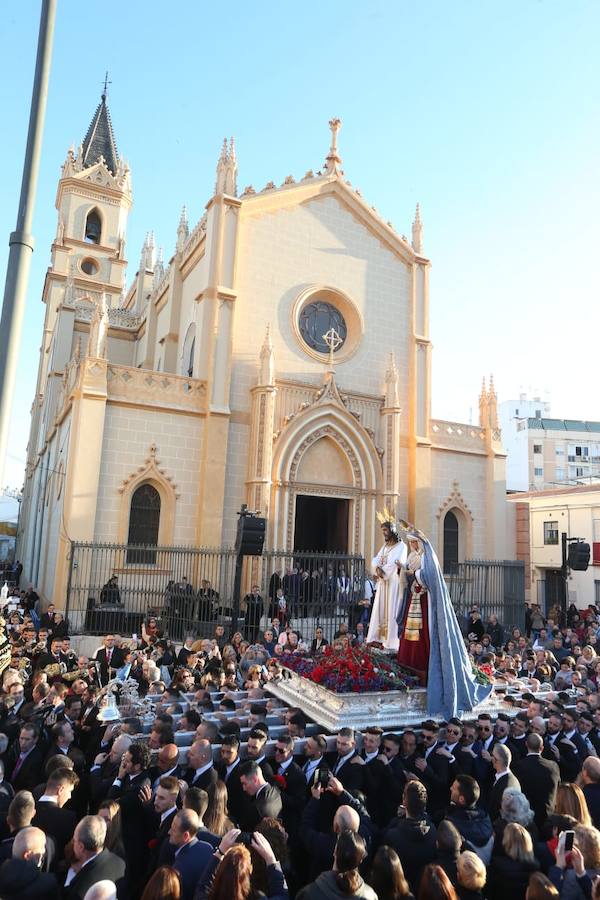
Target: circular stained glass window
{"type": "Point", "coordinates": [316, 319]}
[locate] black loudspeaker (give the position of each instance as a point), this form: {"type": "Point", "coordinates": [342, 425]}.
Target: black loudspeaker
{"type": "Point", "coordinates": [250, 535]}
{"type": "Point", "coordinates": [579, 556]}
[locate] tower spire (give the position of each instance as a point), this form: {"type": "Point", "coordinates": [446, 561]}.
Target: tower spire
{"type": "Point", "coordinates": [483, 406]}
{"type": "Point", "coordinates": [99, 141]}
{"type": "Point", "coordinates": [417, 231]}
{"type": "Point", "coordinates": [182, 229]}
{"type": "Point", "coordinates": [333, 162]}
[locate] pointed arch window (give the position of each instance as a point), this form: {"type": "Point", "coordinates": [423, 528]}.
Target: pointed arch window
{"type": "Point", "coordinates": [144, 522]}
{"type": "Point", "coordinates": [450, 543]}
{"type": "Point", "coordinates": [190, 365]}
{"type": "Point", "coordinates": [93, 227]}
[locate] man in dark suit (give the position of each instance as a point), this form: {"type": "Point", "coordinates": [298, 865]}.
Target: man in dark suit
{"type": "Point", "coordinates": [191, 855]}
{"type": "Point", "coordinates": [93, 862]}
{"type": "Point", "coordinates": [27, 762]}
{"type": "Point", "coordinates": [346, 764]}
{"type": "Point", "coordinates": [50, 814]}
{"type": "Point", "coordinates": [54, 657]}
{"type": "Point", "coordinates": [21, 875]}
{"type": "Point", "coordinates": [265, 798]}
{"type": "Point", "coordinates": [539, 779]}
{"type": "Point", "coordinates": [229, 772]}
{"type": "Point", "coordinates": [381, 786]}
{"type": "Point", "coordinates": [201, 773]}
{"type": "Point", "coordinates": [255, 750]}
{"type": "Point", "coordinates": [504, 778]}
{"type": "Point", "coordinates": [160, 813]}
{"type": "Point", "coordinates": [132, 777]}
{"type": "Point", "coordinates": [110, 658]}
{"type": "Point", "coordinates": [290, 780]}
{"type": "Point", "coordinates": [167, 763]}
{"type": "Point", "coordinates": [434, 766]}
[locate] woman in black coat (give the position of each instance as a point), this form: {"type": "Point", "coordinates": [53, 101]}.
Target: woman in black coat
{"type": "Point", "coordinates": [508, 875]}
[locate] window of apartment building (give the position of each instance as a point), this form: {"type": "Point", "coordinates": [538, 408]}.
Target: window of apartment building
{"type": "Point", "coordinates": [576, 471]}
{"type": "Point", "coordinates": [537, 448]}
{"type": "Point", "coordinates": [578, 453]}
{"type": "Point", "coordinates": [560, 451]}
{"type": "Point", "coordinates": [559, 474]}
{"type": "Point", "coordinates": [538, 472]}
{"type": "Point", "coordinates": [538, 414]}
{"type": "Point", "coordinates": [550, 532]}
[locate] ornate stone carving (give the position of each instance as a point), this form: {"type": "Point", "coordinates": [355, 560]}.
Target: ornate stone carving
{"type": "Point", "coordinates": [150, 469]}
{"type": "Point", "coordinates": [454, 499]}
{"type": "Point", "coordinates": [140, 386]}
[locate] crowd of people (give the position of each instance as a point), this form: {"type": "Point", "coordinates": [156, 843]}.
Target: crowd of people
{"type": "Point", "coordinates": [224, 792]}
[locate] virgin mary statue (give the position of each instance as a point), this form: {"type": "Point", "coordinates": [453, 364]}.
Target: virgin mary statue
{"type": "Point", "coordinates": [430, 639]}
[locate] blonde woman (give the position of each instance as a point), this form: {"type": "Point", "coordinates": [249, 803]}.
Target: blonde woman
{"type": "Point", "coordinates": [570, 801]}
{"type": "Point", "coordinates": [470, 876]}
{"type": "Point", "coordinates": [509, 874]}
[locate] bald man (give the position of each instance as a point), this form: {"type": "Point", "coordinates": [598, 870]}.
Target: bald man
{"type": "Point", "coordinates": [201, 772]}
{"type": "Point", "coordinates": [167, 763]}
{"type": "Point", "coordinates": [21, 877]}
{"type": "Point", "coordinates": [350, 815]}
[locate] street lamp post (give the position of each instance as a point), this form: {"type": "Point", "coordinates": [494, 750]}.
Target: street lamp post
{"type": "Point", "coordinates": [21, 241]}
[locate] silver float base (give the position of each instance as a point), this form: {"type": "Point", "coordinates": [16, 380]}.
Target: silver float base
{"type": "Point", "coordinates": [388, 709]}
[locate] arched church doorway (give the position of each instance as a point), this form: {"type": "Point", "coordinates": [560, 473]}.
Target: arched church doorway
{"type": "Point", "coordinates": [321, 524]}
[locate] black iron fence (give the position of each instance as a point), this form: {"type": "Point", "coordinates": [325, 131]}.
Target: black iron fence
{"type": "Point", "coordinates": [496, 587]}
{"type": "Point", "coordinates": [114, 587]}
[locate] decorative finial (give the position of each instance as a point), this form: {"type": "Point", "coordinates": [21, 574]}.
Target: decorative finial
{"type": "Point", "coordinates": [483, 406]}
{"type": "Point", "coordinates": [232, 156]}
{"type": "Point", "coordinates": [333, 341]}
{"type": "Point", "coordinates": [267, 362]}
{"type": "Point", "coordinates": [392, 398]}
{"type": "Point", "coordinates": [105, 87]}
{"type": "Point", "coordinates": [333, 163]}
{"type": "Point", "coordinates": [417, 231]}
{"type": "Point", "coordinates": [182, 229]}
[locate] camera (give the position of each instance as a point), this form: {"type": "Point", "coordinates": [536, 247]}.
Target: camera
{"type": "Point", "coordinates": [245, 838]}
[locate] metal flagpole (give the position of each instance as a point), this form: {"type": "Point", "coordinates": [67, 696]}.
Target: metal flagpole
{"type": "Point", "coordinates": [21, 241]}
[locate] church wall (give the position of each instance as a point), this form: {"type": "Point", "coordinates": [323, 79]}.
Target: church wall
{"type": "Point", "coordinates": [469, 471]}
{"type": "Point", "coordinates": [121, 352]}
{"type": "Point", "coordinates": [237, 468]}
{"type": "Point", "coordinates": [128, 434]}
{"type": "Point", "coordinates": [282, 253]}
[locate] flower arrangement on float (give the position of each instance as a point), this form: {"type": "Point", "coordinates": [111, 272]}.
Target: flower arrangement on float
{"type": "Point", "coordinates": [347, 669]}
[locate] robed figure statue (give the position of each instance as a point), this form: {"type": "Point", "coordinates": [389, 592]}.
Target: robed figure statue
{"type": "Point", "coordinates": [439, 652]}
{"type": "Point", "coordinates": [386, 566]}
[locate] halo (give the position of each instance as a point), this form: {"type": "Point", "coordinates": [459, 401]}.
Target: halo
{"type": "Point", "coordinates": [387, 517]}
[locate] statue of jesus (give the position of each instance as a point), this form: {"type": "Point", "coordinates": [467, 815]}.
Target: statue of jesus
{"type": "Point", "coordinates": [383, 627]}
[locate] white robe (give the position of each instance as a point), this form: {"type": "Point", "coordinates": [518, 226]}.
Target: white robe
{"type": "Point", "coordinates": [382, 625]}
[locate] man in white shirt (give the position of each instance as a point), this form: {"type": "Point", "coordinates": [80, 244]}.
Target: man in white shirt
{"type": "Point", "coordinates": [313, 750]}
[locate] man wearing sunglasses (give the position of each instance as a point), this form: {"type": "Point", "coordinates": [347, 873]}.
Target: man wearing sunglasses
{"type": "Point", "coordinates": [290, 780]}
{"type": "Point", "coordinates": [433, 767]}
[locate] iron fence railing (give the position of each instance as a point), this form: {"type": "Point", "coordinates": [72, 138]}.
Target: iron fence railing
{"type": "Point", "coordinates": [496, 587]}
{"type": "Point", "coordinates": [191, 590]}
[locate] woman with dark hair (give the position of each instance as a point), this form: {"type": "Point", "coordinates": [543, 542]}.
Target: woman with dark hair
{"type": "Point", "coordinates": [216, 819]}
{"type": "Point", "coordinates": [541, 888]}
{"type": "Point", "coordinates": [435, 884]}
{"type": "Point", "coordinates": [344, 879]}
{"type": "Point", "coordinates": [228, 875]}
{"type": "Point", "coordinates": [164, 885]}
{"type": "Point", "coordinates": [110, 811]}
{"type": "Point", "coordinates": [387, 876]}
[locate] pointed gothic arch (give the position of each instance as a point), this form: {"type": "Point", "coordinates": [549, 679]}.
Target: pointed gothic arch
{"type": "Point", "coordinates": [150, 473]}
{"type": "Point", "coordinates": [187, 353]}
{"type": "Point", "coordinates": [455, 529]}
{"type": "Point", "coordinates": [328, 419]}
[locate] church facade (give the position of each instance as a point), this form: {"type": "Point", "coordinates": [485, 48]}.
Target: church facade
{"type": "Point", "coordinates": [281, 359]}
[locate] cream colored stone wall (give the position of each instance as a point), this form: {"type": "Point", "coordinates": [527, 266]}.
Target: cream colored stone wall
{"type": "Point", "coordinates": [235, 490]}
{"type": "Point", "coordinates": [281, 254]}
{"type": "Point", "coordinates": [470, 474]}
{"type": "Point", "coordinates": [128, 434]}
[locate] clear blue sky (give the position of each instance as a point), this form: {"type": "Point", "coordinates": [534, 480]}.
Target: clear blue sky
{"type": "Point", "coordinates": [485, 112]}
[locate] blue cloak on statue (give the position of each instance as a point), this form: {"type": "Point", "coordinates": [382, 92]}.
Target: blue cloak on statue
{"type": "Point", "coordinates": [451, 686]}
